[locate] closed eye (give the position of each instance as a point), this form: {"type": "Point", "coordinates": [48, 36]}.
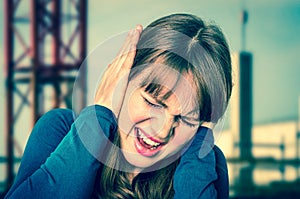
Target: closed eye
{"type": "Point", "coordinates": [189, 124]}
{"type": "Point", "coordinates": [183, 120]}
{"type": "Point", "coordinates": [152, 104]}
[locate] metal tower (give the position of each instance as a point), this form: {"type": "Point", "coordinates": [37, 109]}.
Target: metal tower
{"type": "Point", "coordinates": [45, 44]}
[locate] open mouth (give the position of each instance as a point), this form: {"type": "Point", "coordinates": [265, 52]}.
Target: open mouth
{"type": "Point", "coordinates": [146, 145]}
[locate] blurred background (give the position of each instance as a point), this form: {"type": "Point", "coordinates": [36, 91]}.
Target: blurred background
{"type": "Point", "coordinates": [43, 43]}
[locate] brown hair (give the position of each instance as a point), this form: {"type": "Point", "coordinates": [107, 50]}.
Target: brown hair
{"type": "Point", "coordinates": [188, 45]}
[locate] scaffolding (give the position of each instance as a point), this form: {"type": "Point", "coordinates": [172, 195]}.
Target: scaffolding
{"type": "Point", "coordinates": [45, 45]}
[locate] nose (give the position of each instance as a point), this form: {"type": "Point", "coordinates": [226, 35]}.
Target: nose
{"type": "Point", "coordinates": [164, 125]}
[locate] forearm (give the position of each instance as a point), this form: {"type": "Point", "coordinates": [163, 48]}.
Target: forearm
{"type": "Point", "coordinates": [71, 169]}
{"type": "Point", "coordinates": [195, 181]}
{"type": "Point", "coordinates": [196, 173]}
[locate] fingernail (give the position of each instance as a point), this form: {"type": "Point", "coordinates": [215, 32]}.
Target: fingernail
{"type": "Point", "coordinates": [139, 27]}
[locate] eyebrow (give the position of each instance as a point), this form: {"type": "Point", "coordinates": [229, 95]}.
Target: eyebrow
{"type": "Point", "coordinates": [191, 118]}
{"type": "Point", "coordinates": [192, 113]}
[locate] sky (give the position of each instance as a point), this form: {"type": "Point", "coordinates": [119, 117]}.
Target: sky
{"type": "Point", "coordinates": [272, 35]}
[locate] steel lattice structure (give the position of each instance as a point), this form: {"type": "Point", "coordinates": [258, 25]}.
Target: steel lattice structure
{"type": "Point", "coordinates": [45, 45]}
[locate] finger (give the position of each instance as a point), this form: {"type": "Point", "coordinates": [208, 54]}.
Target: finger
{"type": "Point", "coordinates": [126, 44]}
{"type": "Point", "coordinates": [126, 59]}
{"type": "Point", "coordinates": [137, 34]}
{"type": "Point", "coordinates": [122, 51]}
{"type": "Point", "coordinates": [133, 46]}
{"type": "Point", "coordinates": [131, 39]}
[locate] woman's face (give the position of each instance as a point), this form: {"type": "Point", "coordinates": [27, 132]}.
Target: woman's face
{"type": "Point", "coordinates": [152, 129]}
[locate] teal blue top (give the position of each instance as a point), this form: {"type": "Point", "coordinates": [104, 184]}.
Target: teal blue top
{"type": "Point", "coordinates": [60, 161]}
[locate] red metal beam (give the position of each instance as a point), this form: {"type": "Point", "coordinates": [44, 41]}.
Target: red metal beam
{"type": "Point", "coordinates": [56, 25]}
{"type": "Point", "coordinates": [83, 49]}
{"type": "Point", "coordinates": [34, 40]}
{"type": "Point", "coordinates": [9, 42]}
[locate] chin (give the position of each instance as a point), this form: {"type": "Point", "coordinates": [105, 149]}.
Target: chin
{"type": "Point", "coordinates": [146, 164]}
{"type": "Point", "coordinates": [138, 161]}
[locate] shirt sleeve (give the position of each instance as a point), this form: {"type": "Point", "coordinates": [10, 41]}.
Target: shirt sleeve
{"type": "Point", "coordinates": [195, 175]}
{"type": "Point", "coordinates": [61, 158]}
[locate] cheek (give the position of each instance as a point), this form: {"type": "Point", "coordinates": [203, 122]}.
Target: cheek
{"type": "Point", "coordinates": [136, 109]}
{"type": "Point", "coordinates": [128, 109]}
{"type": "Point", "coordinates": [133, 110]}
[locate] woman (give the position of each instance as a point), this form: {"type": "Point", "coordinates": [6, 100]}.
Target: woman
{"type": "Point", "coordinates": [145, 137]}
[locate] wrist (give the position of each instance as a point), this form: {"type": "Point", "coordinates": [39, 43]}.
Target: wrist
{"type": "Point", "coordinates": [94, 126]}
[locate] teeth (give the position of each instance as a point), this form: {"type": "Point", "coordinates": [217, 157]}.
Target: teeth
{"type": "Point", "coordinates": [147, 140]}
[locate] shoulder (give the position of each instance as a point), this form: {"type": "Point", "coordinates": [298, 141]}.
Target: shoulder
{"type": "Point", "coordinates": [58, 119]}
{"type": "Point", "coordinates": [58, 114]}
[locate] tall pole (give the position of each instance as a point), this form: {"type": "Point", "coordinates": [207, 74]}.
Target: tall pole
{"type": "Point", "coordinates": [8, 56]}
{"type": "Point", "coordinates": [83, 53]}
{"type": "Point", "coordinates": [244, 20]}
{"type": "Point", "coordinates": [56, 47]}
{"type": "Point", "coordinates": [245, 90]}
{"type": "Point", "coordinates": [245, 105]}
{"type": "Point", "coordinates": [35, 58]}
